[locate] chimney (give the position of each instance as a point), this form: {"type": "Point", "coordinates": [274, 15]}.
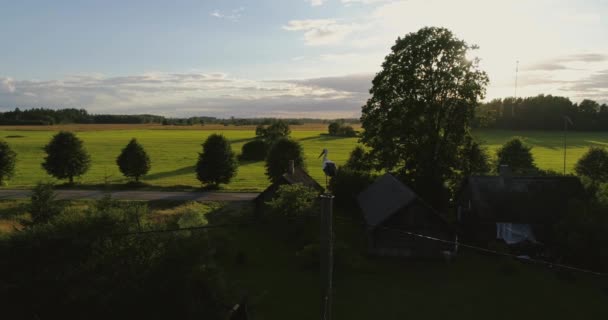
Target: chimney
{"type": "Point", "coordinates": [292, 167]}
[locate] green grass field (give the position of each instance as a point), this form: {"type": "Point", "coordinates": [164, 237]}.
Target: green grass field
{"type": "Point", "coordinates": [174, 152]}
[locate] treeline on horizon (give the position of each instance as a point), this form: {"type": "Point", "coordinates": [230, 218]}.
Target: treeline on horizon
{"type": "Point", "coordinates": [542, 112]}
{"type": "Point", "coordinates": [47, 116]}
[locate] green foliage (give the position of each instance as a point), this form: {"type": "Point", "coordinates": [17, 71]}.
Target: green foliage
{"type": "Point", "coordinates": [294, 200]}
{"type": "Point", "coordinates": [43, 204]}
{"type": "Point", "coordinates": [338, 128]}
{"type": "Point", "coordinates": [421, 108]}
{"type": "Point", "coordinates": [78, 266]}
{"type": "Point", "coordinates": [133, 161]}
{"type": "Point", "coordinates": [359, 160]}
{"type": "Point", "coordinates": [474, 159]}
{"type": "Point", "coordinates": [276, 130]}
{"type": "Point", "coordinates": [518, 156]}
{"type": "Point", "coordinates": [66, 157]}
{"type": "Point", "coordinates": [8, 158]}
{"type": "Point", "coordinates": [217, 163]}
{"type": "Point", "coordinates": [281, 152]}
{"type": "Point", "coordinates": [255, 150]}
{"type": "Point", "coordinates": [192, 215]}
{"type": "Point", "coordinates": [347, 185]}
{"type": "Point", "coordinates": [593, 165]}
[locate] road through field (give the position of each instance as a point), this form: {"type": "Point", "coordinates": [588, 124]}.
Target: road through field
{"type": "Point", "coordinates": [136, 195]}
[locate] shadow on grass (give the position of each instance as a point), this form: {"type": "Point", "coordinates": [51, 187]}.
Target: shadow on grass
{"type": "Point", "coordinates": [168, 174]}
{"type": "Point", "coordinates": [325, 137]}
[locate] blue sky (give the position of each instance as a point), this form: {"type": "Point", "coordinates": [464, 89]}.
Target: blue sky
{"type": "Point", "coordinates": [310, 58]}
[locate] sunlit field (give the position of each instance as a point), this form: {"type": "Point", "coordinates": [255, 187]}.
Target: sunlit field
{"type": "Point", "coordinates": [174, 151]}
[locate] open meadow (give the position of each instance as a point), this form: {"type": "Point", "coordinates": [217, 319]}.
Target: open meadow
{"type": "Point", "coordinates": [174, 151]}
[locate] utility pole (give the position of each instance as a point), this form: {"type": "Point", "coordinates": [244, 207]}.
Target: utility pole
{"type": "Point", "coordinates": [566, 121]}
{"type": "Point", "coordinates": [515, 95]}
{"type": "Point", "coordinates": [327, 255]}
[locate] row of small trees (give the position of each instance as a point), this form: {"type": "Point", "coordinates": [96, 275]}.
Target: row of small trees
{"type": "Point", "coordinates": [67, 158]}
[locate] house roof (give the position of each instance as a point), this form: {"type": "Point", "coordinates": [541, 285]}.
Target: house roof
{"type": "Point", "coordinates": [383, 198]}
{"type": "Point", "coordinates": [534, 200]}
{"type": "Point", "coordinates": [299, 176]}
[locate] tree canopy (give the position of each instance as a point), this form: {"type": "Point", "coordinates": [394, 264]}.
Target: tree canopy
{"type": "Point", "coordinates": [217, 163]}
{"type": "Point", "coordinates": [133, 161]}
{"type": "Point", "coordinates": [422, 106]}
{"type": "Point", "coordinates": [66, 157]}
{"type": "Point", "coordinates": [8, 159]}
{"type": "Point", "coordinates": [518, 156]}
{"type": "Point", "coordinates": [281, 152]}
{"type": "Point", "coordinates": [594, 165]}
{"type": "Point", "coordinates": [277, 129]}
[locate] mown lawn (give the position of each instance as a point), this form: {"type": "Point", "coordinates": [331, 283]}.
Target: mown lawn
{"type": "Point", "coordinates": [174, 152]}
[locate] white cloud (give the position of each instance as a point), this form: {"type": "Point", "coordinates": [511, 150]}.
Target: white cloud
{"type": "Point", "coordinates": [186, 94]}
{"type": "Point", "coordinates": [7, 85]}
{"type": "Point", "coordinates": [234, 15]}
{"type": "Point", "coordinates": [322, 31]}
{"type": "Point", "coordinates": [316, 3]}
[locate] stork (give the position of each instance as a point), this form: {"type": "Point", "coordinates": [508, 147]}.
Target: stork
{"type": "Point", "coordinates": [329, 167]}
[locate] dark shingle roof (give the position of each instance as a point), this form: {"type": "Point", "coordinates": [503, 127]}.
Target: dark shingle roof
{"type": "Point", "coordinates": [522, 199]}
{"type": "Point", "coordinates": [298, 177]}
{"type": "Point", "coordinates": [383, 198]}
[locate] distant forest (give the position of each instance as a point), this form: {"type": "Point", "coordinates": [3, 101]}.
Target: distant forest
{"type": "Point", "coordinates": [542, 113]}
{"type": "Point", "coordinates": [45, 116]}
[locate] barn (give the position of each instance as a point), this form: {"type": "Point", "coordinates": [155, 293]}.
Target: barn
{"type": "Point", "coordinates": [515, 209]}
{"type": "Point", "coordinates": [389, 208]}
{"type": "Point", "coordinates": [294, 175]}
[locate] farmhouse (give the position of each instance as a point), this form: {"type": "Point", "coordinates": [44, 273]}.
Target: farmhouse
{"type": "Point", "coordinates": [390, 208]}
{"type": "Point", "coordinates": [515, 209]}
{"type": "Point", "coordinates": [292, 176]}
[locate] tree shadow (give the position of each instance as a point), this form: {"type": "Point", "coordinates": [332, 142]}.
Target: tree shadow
{"type": "Point", "coordinates": [325, 137]}
{"type": "Point", "coordinates": [168, 174]}
{"type": "Point", "coordinates": [242, 140]}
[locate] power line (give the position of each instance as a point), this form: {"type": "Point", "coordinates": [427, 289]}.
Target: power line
{"type": "Point", "coordinates": [538, 261]}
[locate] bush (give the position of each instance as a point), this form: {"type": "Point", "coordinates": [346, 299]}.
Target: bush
{"type": "Point", "coordinates": [347, 184]}
{"type": "Point", "coordinates": [295, 200]}
{"type": "Point", "coordinates": [276, 130]}
{"type": "Point", "coordinates": [133, 161]}
{"type": "Point", "coordinates": [339, 129]}
{"type": "Point", "coordinates": [66, 157]}
{"type": "Point", "coordinates": [217, 164]}
{"type": "Point", "coordinates": [281, 152]}
{"type": "Point", "coordinates": [517, 156]}
{"type": "Point", "coordinates": [255, 150]}
{"type": "Point", "coordinates": [593, 165]}
{"type": "Point", "coordinates": [8, 158]}
{"type": "Point", "coordinates": [43, 204]}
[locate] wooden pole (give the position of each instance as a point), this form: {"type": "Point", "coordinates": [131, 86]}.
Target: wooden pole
{"type": "Point", "coordinates": [326, 253]}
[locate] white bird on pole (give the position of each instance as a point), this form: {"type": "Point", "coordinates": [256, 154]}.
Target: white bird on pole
{"type": "Point", "coordinates": [329, 167]}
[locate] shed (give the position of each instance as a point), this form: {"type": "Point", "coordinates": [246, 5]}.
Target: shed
{"type": "Point", "coordinates": [390, 208]}
{"type": "Point", "coordinates": [515, 208]}
{"type": "Point", "coordinates": [294, 175]}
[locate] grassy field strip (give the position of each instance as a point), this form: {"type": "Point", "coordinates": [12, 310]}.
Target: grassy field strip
{"type": "Point", "coordinates": [174, 153]}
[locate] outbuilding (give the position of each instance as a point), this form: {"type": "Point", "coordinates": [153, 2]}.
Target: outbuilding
{"type": "Point", "coordinates": [394, 213]}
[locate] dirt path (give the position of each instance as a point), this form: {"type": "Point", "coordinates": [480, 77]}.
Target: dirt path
{"type": "Point", "coordinates": [136, 195]}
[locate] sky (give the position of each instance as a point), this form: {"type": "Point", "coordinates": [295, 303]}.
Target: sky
{"type": "Point", "coordinates": [279, 58]}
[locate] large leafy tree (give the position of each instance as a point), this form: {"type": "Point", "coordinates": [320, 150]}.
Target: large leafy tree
{"type": "Point", "coordinates": [594, 165]}
{"type": "Point", "coordinates": [66, 157]}
{"type": "Point", "coordinates": [133, 161]}
{"type": "Point", "coordinates": [277, 129]}
{"type": "Point", "coordinates": [518, 156]}
{"type": "Point", "coordinates": [8, 158]}
{"type": "Point", "coordinates": [281, 152]}
{"type": "Point", "coordinates": [217, 163]}
{"type": "Point", "coordinates": [421, 108]}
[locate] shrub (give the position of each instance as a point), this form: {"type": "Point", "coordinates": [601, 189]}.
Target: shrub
{"type": "Point", "coordinates": [338, 128]}
{"type": "Point", "coordinates": [43, 204]}
{"type": "Point", "coordinates": [281, 152]}
{"type": "Point", "coordinates": [593, 165]}
{"type": "Point", "coordinates": [66, 157]}
{"type": "Point", "coordinates": [8, 158]}
{"type": "Point", "coordinates": [255, 150]}
{"type": "Point", "coordinates": [133, 161]}
{"type": "Point", "coordinates": [347, 184]}
{"type": "Point", "coordinates": [517, 156]}
{"type": "Point", "coordinates": [276, 130]}
{"type": "Point", "coordinates": [217, 164]}
{"type": "Point", "coordinates": [295, 200]}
